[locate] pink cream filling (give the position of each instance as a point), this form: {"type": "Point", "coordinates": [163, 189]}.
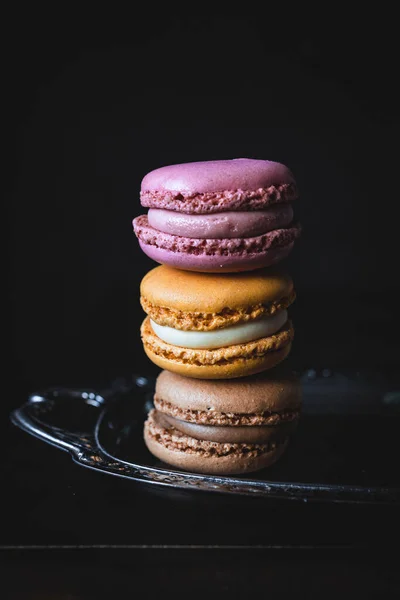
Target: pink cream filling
{"type": "Point", "coordinates": [236, 224]}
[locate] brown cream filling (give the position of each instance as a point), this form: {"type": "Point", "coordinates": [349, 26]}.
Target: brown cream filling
{"type": "Point", "coordinates": [174, 440]}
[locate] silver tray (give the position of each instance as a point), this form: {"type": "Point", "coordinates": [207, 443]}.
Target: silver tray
{"type": "Point", "coordinates": [330, 457]}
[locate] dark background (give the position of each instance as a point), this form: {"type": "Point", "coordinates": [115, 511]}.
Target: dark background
{"type": "Point", "coordinates": [97, 100]}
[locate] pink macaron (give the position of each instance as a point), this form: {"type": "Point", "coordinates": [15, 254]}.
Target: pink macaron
{"type": "Point", "coordinates": [218, 216]}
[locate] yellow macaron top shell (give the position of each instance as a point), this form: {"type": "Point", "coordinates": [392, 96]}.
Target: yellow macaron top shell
{"type": "Point", "coordinates": [189, 291]}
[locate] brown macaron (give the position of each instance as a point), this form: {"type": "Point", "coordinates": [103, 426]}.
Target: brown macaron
{"type": "Point", "coordinates": [223, 426]}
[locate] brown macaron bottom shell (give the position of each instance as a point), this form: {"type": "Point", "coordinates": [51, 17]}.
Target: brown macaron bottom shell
{"type": "Point", "coordinates": [190, 455]}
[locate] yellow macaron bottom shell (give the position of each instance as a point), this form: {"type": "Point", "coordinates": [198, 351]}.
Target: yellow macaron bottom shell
{"type": "Point", "coordinates": [222, 363]}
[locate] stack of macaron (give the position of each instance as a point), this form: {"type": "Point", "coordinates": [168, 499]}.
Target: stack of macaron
{"type": "Point", "coordinates": [217, 322]}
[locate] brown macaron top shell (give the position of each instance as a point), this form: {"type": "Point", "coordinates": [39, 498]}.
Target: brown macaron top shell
{"type": "Point", "coordinates": [270, 392]}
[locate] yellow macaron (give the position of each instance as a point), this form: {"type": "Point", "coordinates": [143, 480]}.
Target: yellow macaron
{"type": "Point", "coordinates": [216, 326]}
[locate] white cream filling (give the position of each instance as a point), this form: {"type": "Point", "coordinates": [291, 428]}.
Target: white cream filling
{"type": "Point", "coordinates": [236, 334]}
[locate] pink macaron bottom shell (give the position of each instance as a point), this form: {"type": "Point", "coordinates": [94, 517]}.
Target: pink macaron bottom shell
{"type": "Point", "coordinates": [215, 255]}
{"type": "Point", "coordinates": [220, 246]}
{"type": "Point", "coordinates": [213, 263]}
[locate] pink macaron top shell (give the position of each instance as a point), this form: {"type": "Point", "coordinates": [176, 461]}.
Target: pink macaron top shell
{"type": "Point", "coordinates": [217, 176]}
{"type": "Point", "coordinates": [221, 225]}
{"type": "Point", "coordinates": [219, 185]}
